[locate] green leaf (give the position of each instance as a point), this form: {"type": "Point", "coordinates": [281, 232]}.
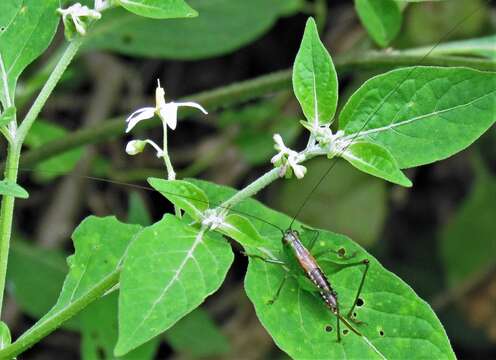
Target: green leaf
{"type": "Point", "coordinates": [159, 9]}
{"type": "Point", "coordinates": [241, 230]}
{"type": "Point", "coordinates": [409, 326]}
{"type": "Point", "coordinates": [482, 47]}
{"type": "Point", "coordinates": [5, 338]}
{"type": "Point", "coordinates": [35, 277]}
{"type": "Point", "coordinates": [138, 212]}
{"type": "Point", "coordinates": [198, 336]}
{"type": "Point", "coordinates": [43, 132]}
{"type": "Point", "coordinates": [182, 194]}
{"type": "Point", "coordinates": [422, 114]}
{"type": "Point", "coordinates": [169, 270]}
{"type": "Point", "coordinates": [467, 239]}
{"type": "Point", "coordinates": [375, 160]}
{"type": "Point", "coordinates": [222, 27]}
{"type": "Point", "coordinates": [7, 116]}
{"type": "Point", "coordinates": [9, 188]}
{"type": "Point", "coordinates": [99, 333]}
{"type": "Point", "coordinates": [381, 18]}
{"type": "Point", "coordinates": [339, 200]}
{"type": "Point", "coordinates": [26, 36]}
{"type": "Point", "coordinates": [315, 82]}
{"type": "Point", "coordinates": [100, 244]}
{"type": "Point", "coordinates": [8, 10]}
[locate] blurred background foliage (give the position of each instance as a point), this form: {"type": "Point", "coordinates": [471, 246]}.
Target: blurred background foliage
{"type": "Point", "coordinates": [438, 236]}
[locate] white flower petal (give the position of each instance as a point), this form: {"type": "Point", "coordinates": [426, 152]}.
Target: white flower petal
{"type": "Point", "coordinates": [193, 105]}
{"type": "Point", "coordinates": [279, 143]}
{"type": "Point", "coordinates": [168, 113]}
{"type": "Point", "coordinates": [299, 170]}
{"type": "Point", "coordinates": [276, 158]}
{"type": "Point", "coordinates": [139, 115]}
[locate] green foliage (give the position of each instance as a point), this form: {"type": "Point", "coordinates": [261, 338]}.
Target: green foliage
{"type": "Point", "coordinates": [422, 114]}
{"type": "Point", "coordinates": [5, 338]}
{"type": "Point", "coordinates": [183, 194]}
{"type": "Point", "coordinates": [375, 160]}
{"type": "Point", "coordinates": [169, 270]}
{"type": "Point", "coordinates": [334, 200]}
{"type": "Point", "coordinates": [467, 239]}
{"type": "Point", "coordinates": [381, 18]}
{"type": "Point", "coordinates": [100, 244]}
{"type": "Point", "coordinates": [223, 26]}
{"type": "Point", "coordinates": [10, 188]}
{"type": "Point", "coordinates": [197, 335]}
{"type": "Point", "coordinates": [99, 333]}
{"type": "Point", "coordinates": [43, 132]}
{"type": "Point", "coordinates": [26, 36]}
{"type": "Point", "coordinates": [397, 319]}
{"type": "Point", "coordinates": [315, 82]}
{"type": "Point", "coordinates": [7, 116]}
{"type": "Point", "coordinates": [159, 9]}
{"type": "Point", "coordinates": [8, 10]}
{"type": "Point", "coordinates": [481, 47]}
{"type": "Point", "coordinates": [137, 211]}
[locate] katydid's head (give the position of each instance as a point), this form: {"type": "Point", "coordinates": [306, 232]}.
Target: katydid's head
{"type": "Point", "coordinates": [290, 236]}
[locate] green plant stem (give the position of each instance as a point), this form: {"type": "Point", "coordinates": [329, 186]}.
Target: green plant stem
{"type": "Point", "coordinates": [6, 215]}
{"type": "Point", "coordinates": [52, 322]}
{"type": "Point", "coordinates": [171, 174]}
{"type": "Point", "coordinates": [47, 89]}
{"type": "Point", "coordinates": [247, 90]}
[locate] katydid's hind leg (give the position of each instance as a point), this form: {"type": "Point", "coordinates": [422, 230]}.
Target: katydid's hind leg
{"type": "Point", "coordinates": [338, 327]}
{"type": "Point", "coordinates": [264, 259]}
{"type": "Point", "coordinates": [314, 239]}
{"type": "Point", "coordinates": [278, 292]}
{"type": "Point", "coordinates": [366, 263]}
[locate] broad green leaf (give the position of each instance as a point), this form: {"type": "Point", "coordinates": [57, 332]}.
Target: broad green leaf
{"type": "Point", "coordinates": [422, 114]}
{"type": "Point", "coordinates": [43, 132]}
{"type": "Point", "coordinates": [169, 270]}
{"type": "Point", "coordinates": [5, 338]}
{"type": "Point", "coordinates": [8, 188]}
{"type": "Point", "coordinates": [198, 336]}
{"type": "Point", "coordinates": [222, 27]}
{"type": "Point", "coordinates": [159, 9]}
{"type": "Point", "coordinates": [100, 244]}
{"type": "Point", "coordinates": [381, 18]}
{"type": "Point", "coordinates": [482, 47]}
{"type": "Point", "coordinates": [7, 116]}
{"type": "Point", "coordinates": [468, 240]}
{"type": "Point", "coordinates": [241, 230]}
{"type": "Point", "coordinates": [398, 323]}
{"type": "Point", "coordinates": [99, 333]}
{"type": "Point", "coordinates": [289, 7]}
{"type": "Point", "coordinates": [182, 194]}
{"type": "Point", "coordinates": [137, 210]}
{"type": "Point", "coordinates": [35, 277]}
{"type": "Point", "coordinates": [343, 197]}
{"type": "Point", "coordinates": [375, 160]}
{"type": "Point", "coordinates": [315, 82]}
{"type": "Point", "coordinates": [8, 10]}
{"type": "Point", "coordinates": [26, 36]}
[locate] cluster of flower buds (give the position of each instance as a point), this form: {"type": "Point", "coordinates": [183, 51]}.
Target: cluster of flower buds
{"type": "Point", "coordinates": [287, 160]}
{"type": "Point", "coordinates": [76, 17]}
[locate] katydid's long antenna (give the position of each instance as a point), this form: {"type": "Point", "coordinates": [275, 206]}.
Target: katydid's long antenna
{"type": "Point", "coordinates": [148, 188]}
{"type": "Point", "coordinates": [357, 134]}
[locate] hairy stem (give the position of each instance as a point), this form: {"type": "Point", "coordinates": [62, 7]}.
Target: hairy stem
{"type": "Point", "coordinates": [50, 323]}
{"type": "Point", "coordinates": [6, 215]}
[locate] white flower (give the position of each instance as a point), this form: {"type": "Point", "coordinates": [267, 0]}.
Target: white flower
{"type": "Point", "coordinates": [75, 12]}
{"type": "Point", "coordinates": [166, 111]}
{"type": "Point", "coordinates": [287, 158]}
{"type": "Point", "coordinates": [135, 147]}
{"type": "Point", "coordinates": [101, 5]}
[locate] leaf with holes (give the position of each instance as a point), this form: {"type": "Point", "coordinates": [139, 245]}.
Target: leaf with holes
{"type": "Point", "coordinates": [159, 9]}
{"type": "Point", "coordinates": [315, 82]}
{"type": "Point", "coordinates": [381, 18]}
{"type": "Point", "coordinates": [375, 160]}
{"type": "Point", "coordinates": [169, 270]}
{"type": "Point", "coordinates": [182, 194]}
{"type": "Point", "coordinates": [100, 244]}
{"type": "Point", "coordinates": [26, 36]}
{"type": "Point", "coordinates": [398, 323]}
{"type": "Point", "coordinates": [422, 114]}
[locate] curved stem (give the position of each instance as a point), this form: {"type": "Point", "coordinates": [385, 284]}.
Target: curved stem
{"type": "Point", "coordinates": [47, 89]}
{"type": "Point", "coordinates": [51, 323]}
